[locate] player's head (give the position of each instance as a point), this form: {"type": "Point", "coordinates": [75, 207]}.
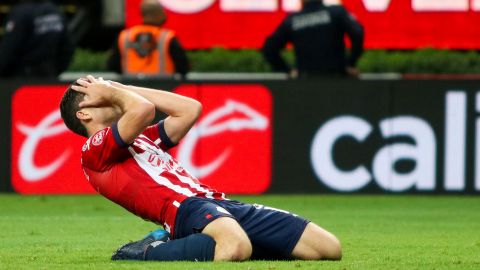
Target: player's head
{"type": "Point", "coordinates": [153, 12]}
{"type": "Point", "coordinates": [69, 106]}
{"type": "Point", "coordinates": [85, 121]}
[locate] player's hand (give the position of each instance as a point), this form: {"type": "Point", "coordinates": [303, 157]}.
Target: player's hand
{"type": "Point", "coordinates": [98, 93]}
{"type": "Point", "coordinates": [118, 85]}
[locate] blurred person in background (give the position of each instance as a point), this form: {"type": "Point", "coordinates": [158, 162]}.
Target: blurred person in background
{"type": "Point", "coordinates": [36, 42]}
{"type": "Point", "coordinates": [317, 33]}
{"type": "Point", "coordinates": [149, 49]}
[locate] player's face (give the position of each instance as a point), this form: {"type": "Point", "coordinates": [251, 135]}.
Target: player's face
{"type": "Point", "coordinates": [106, 115]}
{"type": "Point", "coordinates": [103, 116]}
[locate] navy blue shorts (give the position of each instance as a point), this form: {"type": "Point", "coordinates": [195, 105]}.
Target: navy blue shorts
{"type": "Point", "coordinates": [273, 233]}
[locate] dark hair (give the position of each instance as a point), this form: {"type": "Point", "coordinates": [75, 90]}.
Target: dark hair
{"type": "Point", "coordinates": [69, 108]}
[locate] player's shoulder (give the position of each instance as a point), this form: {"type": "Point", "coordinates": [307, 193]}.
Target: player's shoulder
{"type": "Point", "coordinates": [97, 151]}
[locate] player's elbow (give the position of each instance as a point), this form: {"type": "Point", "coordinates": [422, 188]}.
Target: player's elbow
{"type": "Point", "coordinates": [146, 112]}
{"type": "Point", "coordinates": [195, 110]}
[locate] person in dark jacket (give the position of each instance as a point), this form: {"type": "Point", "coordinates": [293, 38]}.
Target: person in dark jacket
{"type": "Point", "coordinates": [36, 42]}
{"type": "Point", "coordinates": [317, 33]}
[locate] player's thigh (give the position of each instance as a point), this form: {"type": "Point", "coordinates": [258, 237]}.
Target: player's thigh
{"type": "Point", "coordinates": [232, 241]}
{"type": "Point", "coordinates": [317, 244]}
{"type": "Point", "coordinates": [225, 229]}
{"type": "Point", "coordinates": [273, 232]}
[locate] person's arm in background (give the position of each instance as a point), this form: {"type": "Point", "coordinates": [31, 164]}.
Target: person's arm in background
{"type": "Point", "coordinates": [355, 33]}
{"type": "Point", "coordinates": [66, 52]}
{"type": "Point", "coordinates": [16, 33]}
{"type": "Point", "coordinates": [273, 46]}
{"type": "Point", "coordinates": [114, 61]}
{"type": "Point", "coordinates": [182, 111]}
{"type": "Point", "coordinates": [179, 57]}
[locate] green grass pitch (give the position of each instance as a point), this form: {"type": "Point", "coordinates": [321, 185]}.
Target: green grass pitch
{"type": "Point", "coordinates": [377, 232]}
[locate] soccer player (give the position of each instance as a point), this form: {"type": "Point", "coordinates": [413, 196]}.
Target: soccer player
{"type": "Point", "coordinates": [125, 159]}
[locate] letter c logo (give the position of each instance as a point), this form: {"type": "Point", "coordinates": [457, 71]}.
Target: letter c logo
{"type": "Point", "coordinates": [322, 153]}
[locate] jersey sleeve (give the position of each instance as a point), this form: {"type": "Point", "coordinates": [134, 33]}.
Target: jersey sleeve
{"type": "Point", "coordinates": [104, 149]}
{"type": "Point", "coordinates": [157, 134]}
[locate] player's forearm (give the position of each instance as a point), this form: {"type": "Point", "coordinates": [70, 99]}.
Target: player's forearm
{"type": "Point", "coordinates": [172, 104]}
{"type": "Point", "coordinates": [182, 111]}
{"type": "Point", "coordinates": [127, 100]}
{"type": "Point", "coordinates": [137, 111]}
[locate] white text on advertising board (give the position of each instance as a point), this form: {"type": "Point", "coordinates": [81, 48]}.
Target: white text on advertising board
{"type": "Point", "coordinates": [423, 151]}
{"type": "Point", "coordinates": [188, 6]}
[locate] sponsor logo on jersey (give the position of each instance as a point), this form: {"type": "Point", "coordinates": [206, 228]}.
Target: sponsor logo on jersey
{"type": "Point", "coordinates": [98, 138]}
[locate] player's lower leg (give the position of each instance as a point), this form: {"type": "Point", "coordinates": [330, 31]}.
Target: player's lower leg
{"type": "Point", "coordinates": [196, 247]}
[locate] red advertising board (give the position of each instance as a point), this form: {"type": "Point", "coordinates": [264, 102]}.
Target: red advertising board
{"type": "Point", "coordinates": [229, 148]}
{"type": "Point", "coordinates": [389, 24]}
{"type": "Point", "coordinates": [45, 155]}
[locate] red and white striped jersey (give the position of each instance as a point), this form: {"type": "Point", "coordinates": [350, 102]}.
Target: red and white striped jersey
{"type": "Point", "coordinates": [141, 177]}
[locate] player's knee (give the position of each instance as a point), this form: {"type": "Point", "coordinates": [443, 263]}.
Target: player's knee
{"type": "Point", "coordinates": [330, 250]}
{"type": "Point", "coordinates": [334, 250]}
{"type": "Point", "coordinates": [242, 250]}
{"type": "Point", "coordinates": [239, 249]}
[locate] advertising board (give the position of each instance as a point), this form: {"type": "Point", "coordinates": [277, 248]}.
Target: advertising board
{"type": "Point", "coordinates": [315, 136]}
{"type": "Point", "coordinates": [389, 24]}
{"type": "Point", "coordinates": [45, 157]}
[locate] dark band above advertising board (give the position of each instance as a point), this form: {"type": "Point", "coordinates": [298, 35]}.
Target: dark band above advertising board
{"type": "Point", "coordinates": [389, 24]}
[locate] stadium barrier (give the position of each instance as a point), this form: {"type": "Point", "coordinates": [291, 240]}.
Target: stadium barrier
{"type": "Point", "coordinates": [317, 136]}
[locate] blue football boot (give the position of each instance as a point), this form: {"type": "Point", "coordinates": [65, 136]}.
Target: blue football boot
{"type": "Point", "coordinates": [136, 250]}
{"type": "Point", "coordinates": [159, 235]}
